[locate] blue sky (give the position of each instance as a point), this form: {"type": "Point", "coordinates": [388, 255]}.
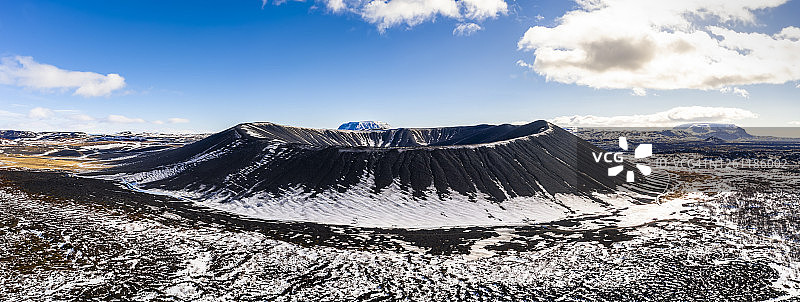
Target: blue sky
{"type": "Point", "coordinates": [204, 66]}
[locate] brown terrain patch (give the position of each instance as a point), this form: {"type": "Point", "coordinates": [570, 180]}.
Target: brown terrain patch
{"type": "Point", "coordinates": [28, 162]}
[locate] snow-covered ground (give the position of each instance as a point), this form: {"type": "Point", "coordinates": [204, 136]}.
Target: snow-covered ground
{"type": "Point", "coordinates": [394, 207]}
{"type": "Point", "coordinates": [66, 250]}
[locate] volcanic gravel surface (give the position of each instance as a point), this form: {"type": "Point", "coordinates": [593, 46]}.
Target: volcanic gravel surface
{"type": "Point", "coordinates": [67, 238]}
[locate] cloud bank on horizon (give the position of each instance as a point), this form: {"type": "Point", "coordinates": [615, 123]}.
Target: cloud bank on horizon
{"type": "Point", "coordinates": [47, 119]}
{"type": "Point", "coordinates": [669, 118]}
{"type": "Point", "coordinates": [664, 45]}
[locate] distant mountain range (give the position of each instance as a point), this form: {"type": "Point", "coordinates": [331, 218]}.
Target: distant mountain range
{"type": "Point", "coordinates": [61, 135]}
{"type": "Point", "coordinates": [693, 133]}
{"type": "Point", "coordinates": [718, 131]}
{"type": "Point", "coordinates": [14, 134]}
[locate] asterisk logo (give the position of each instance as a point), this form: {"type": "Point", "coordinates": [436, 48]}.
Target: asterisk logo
{"type": "Point", "coordinates": [641, 151]}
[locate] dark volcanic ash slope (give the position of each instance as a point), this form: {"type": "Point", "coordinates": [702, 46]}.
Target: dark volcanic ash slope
{"type": "Point", "coordinates": [495, 162]}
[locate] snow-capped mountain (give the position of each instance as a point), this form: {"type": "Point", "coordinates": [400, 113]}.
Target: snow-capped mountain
{"type": "Point", "coordinates": [719, 131]}
{"type": "Point", "coordinates": [484, 174]}
{"type": "Point", "coordinates": [365, 125]}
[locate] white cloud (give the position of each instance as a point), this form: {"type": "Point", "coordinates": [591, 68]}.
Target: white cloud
{"type": "Point", "coordinates": [797, 123]}
{"type": "Point", "coordinates": [638, 91]}
{"type": "Point", "coordinates": [789, 33]}
{"type": "Point", "coordinates": [522, 63]}
{"type": "Point", "coordinates": [40, 113]}
{"type": "Point", "coordinates": [669, 118]}
{"type": "Point", "coordinates": [9, 114]}
{"type": "Point", "coordinates": [46, 119]}
{"type": "Point", "coordinates": [335, 5]}
{"type": "Point", "coordinates": [483, 9]}
{"type": "Point", "coordinates": [177, 120]}
{"type": "Point", "coordinates": [741, 92]}
{"type": "Point", "coordinates": [279, 2]}
{"type": "Point", "coordinates": [662, 45]}
{"type": "Point", "coordinates": [386, 14]}
{"type": "Point", "coordinates": [121, 119]}
{"type": "Point", "coordinates": [737, 91]}
{"type": "Point", "coordinates": [389, 13]}
{"type": "Point", "coordinates": [25, 72]}
{"type": "Point", "coordinates": [466, 29]}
